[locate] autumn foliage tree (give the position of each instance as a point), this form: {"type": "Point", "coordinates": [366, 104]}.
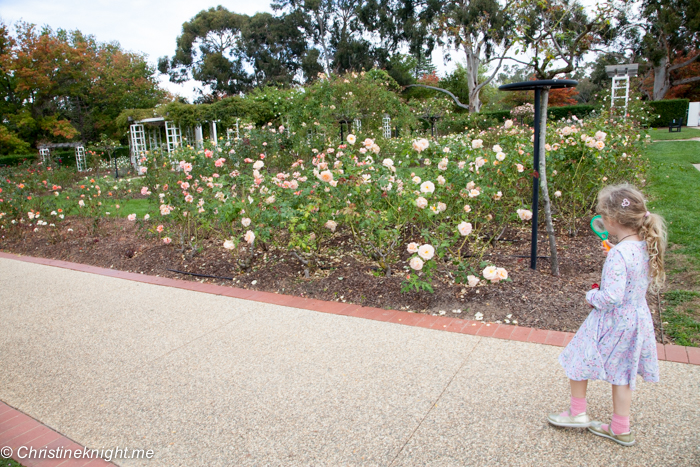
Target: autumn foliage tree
{"type": "Point", "coordinates": [61, 85]}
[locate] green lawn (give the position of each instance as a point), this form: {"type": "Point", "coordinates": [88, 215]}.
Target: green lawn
{"type": "Point", "coordinates": [140, 207]}
{"type": "Point", "coordinates": [674, 192]}
{"type": "Point", "coordinates": [662, 134]}
{"type": "Point", "coordinates": [9, 463]}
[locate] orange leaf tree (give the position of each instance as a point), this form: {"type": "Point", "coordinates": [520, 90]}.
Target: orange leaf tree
{"type": "Point", "coordinates": [67, 86]}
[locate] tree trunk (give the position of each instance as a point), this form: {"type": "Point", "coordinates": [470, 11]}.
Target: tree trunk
{"type": "Point", "coordinates": [543, 184]}
{"type": "Point", "coordinates": [661, 80]}
{"type": "Point", "coordinates": [473, 80]}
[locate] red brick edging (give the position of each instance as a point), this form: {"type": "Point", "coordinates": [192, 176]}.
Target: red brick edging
{"type": "Point", "coordinates": [18, 429]}
{"type": "Point", "coordinates": [672, 353]}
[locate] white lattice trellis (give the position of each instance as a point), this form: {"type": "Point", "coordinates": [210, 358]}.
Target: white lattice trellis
{"type": "Point", "coordinates": [386, 126]}
{"type": "Point", "coordinates": [154, 138]}
{"type": "Point", "coordinates": [80, 159]}
{"type": "Point", "coordinates": [45, 154]}
{"type": "Point", "coordinates": [620, 92]}
{"type": "Point", "coordinates": [173, 135]}
{"type": "Point", "coordinates": [357, 125]}
{"type": "Point", "coordinates": [138, 144]}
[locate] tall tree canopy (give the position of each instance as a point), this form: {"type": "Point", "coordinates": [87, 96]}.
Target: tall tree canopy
{"type": "Point", "coordinates": [671, 30]}
{"type": "Point", "coordinates": [479, 28]}
{"type": "Point", "coordinates": [234, 53]}
{"type": "Point", "coordinates": [59, 85]}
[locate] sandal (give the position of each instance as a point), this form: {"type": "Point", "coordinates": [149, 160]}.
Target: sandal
{"type": "Point", "coordinates": [625, 439]}
{"type": "Point", "coordinates": [566, 420]}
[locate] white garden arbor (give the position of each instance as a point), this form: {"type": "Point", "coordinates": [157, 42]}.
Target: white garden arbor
{"type": "Point", "coordinates": [80, 162]}
{"type": "Point", "coordinates": [157, 133]}
{"type": "Point", "coordinates": [152, 134]}
{"type": "Point", "coordinates": [620, 91]}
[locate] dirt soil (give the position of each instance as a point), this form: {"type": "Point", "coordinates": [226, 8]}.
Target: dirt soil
{"type": "Point", "coordinates": [532, 298]}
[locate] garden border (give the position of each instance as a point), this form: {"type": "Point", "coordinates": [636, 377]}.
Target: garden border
{"type": "Point", "coordinates": [19, 429]}
{"type": "Point", "coordinates": [668, 352]}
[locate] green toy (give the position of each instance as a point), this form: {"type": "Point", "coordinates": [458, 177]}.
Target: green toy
{"type": "Point", "coordinates": [598, 227]}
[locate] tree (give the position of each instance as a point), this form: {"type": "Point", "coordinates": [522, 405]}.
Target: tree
{"type": "Point", "coordinates": [559, 33]}
{"type": "Point", "coordinates": [274, 47]}
{"type": "Point", "coordinates": [329, 24]}
{"type": "Point", "coordinates": [403, 24]}
{"type": "Point", "coordinates": [672, 28]}
{"type": "Point", "coordinates": [209, 51]}
{"type": "Point", "coordinates": [63, 85]}
{"type": "Point", "coordinates": [478, 28]}
{"type": "Point", "coordinates": [218, 47]}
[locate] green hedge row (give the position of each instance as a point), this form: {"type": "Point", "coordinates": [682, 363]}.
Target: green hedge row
{"type": "Point", "coordinates": [662, 112]}
{"type": "Point", "coordinates": [66, 156]}
{"type": "Point", "coordinates": [16, 159]}
{"type": "Point", "coordinates": [567, 111]}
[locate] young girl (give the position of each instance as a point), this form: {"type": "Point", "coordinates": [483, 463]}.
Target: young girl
{"type": "Point", "coordinates": [617, 341]}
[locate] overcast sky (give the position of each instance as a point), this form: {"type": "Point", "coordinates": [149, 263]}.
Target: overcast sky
{"type": "Point", "coordinates": [147, 26]}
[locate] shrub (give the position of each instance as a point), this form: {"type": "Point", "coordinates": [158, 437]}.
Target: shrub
{"type": "Point", "coordinates": [668, 109]}
{"type": "Point", "coordinates": [580, 111]}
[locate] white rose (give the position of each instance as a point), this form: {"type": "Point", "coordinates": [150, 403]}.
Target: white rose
{"type": "Point", "coordinates": [465, 228]}
{"type": "Point", "coordinates": [416, 263]}
{"type": "Point", "coordinates": [427, 187]}
{"type": "Point", "coordinates": [426, 251]}
{"type": "Point", "coordinates": [490, 273]}
{"type": "Point", "coordinates": [524, 214]}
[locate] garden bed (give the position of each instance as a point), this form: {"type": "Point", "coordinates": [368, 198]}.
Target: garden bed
{"type": "Point", "coordinates": [532, 298]}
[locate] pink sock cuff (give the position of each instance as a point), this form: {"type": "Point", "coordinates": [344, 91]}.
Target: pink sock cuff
{"type": "Point", "coordinates": [578, 405]}
{"type": "Point", "coordinates": [620, 424]}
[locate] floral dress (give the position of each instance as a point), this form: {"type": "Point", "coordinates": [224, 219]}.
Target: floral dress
{"type": "Point", "coordinates": [617, 341]}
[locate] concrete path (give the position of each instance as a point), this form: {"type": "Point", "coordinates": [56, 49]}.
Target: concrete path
{"type": "Point", "coordinates": [675, 140]}
{"type": "Point", "coordinates": [207, 380]}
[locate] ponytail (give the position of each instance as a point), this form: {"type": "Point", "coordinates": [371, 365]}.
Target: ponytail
{"type": "Point", "coordinates": [653, 230]}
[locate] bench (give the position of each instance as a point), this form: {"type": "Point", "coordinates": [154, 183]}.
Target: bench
{"type": "Point", "coordinates": [675, 125]}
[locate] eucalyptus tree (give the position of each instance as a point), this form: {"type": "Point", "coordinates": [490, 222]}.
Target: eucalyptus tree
{"type": "Point", "coordinates": [218, 48]}
{"type": "Point", "coordinates": [209, 51]}
{"type": "Point", "coordinates": [483, 31]}
{"type": "Point", "coordinates": [557, 34]}
{"type": "Point", "coordinates": [671, 28]}
{"type": "Point", "coordinates": [331, 25]}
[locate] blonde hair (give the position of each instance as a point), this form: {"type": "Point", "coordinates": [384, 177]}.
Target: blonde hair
{"type": "Point", "coordinates": [625, 204]}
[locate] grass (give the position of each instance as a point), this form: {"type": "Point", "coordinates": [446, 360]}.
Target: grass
{"type": "Point", "coordinates": [673, 190]}
{"type": "Point", "coordinates": [9, 463]}
{"type": "Point", "coordinates": [138, 206]}
{"type": "Point", "coordinates": [662, 134]}
{"type": "Point", "coordinates": [681, 317]}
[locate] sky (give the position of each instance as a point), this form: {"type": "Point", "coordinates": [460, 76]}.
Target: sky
{"type": "Point", "coordinates": [150, 27]}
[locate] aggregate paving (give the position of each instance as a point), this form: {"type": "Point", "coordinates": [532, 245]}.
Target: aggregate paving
{"type": "Point", "coordinates": [217, 381]}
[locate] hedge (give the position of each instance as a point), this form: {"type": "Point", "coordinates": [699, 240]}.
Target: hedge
{"type": "Point", "coordinates": [17, 159]}
{"type": "Point", "coordinates": [581, 111]}
{"type": "Point", "coordinates": [501, 115]}
{"type": "Point", "coordinates": [67, 156]}
{"type": "Point", "coordinates": [668, 109]}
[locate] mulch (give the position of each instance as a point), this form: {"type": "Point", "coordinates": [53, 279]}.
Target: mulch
{"type": "Point", "coordinates": [532, 298]}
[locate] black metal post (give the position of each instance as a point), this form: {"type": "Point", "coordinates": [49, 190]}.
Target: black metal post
{"type": "Point", "coordinates": [535, 182]}
{"type": "Point", "coordinates": [341, 133]}
{"type": "Point", "coordinates": [536, 86]}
